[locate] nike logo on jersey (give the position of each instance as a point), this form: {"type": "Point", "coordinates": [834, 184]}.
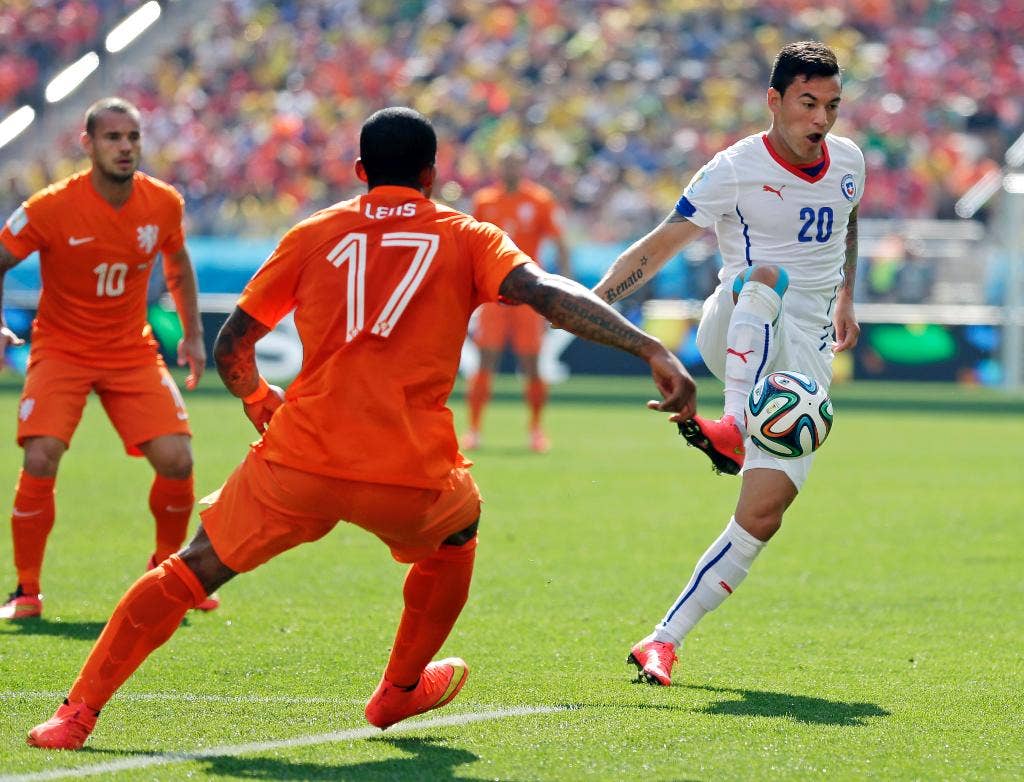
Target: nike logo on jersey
{"type": "Point", "coordinates": [74, 241]}
{"type": "Point", "coordinates": [742, 356]}
{"type": "Point", "coordinates": [20, 514]}
{"type": "Point", "coordinates": [770, 189]}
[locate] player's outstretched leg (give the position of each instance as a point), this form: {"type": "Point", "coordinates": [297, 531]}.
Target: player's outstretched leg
{"type": "Point", "coordinates": [717, 574]}
{"type": "Point", "coordinates": [147, 616]}
{"type": "Point", "coordinates": [212, 601]}
{"type": "Point", "coordinates": [31, 522]}
{"type": "Point", "coordinates": [435, 591]}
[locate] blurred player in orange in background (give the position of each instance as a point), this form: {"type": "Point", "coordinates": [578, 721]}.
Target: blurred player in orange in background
{"type": "Point", "coordinates": [529, 214]}
{"type": "Point", "coordinates": [382, 286]}
{"type": "Point", "coordinates": [98, 234]}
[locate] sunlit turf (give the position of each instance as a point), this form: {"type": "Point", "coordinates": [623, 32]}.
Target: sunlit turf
{"type": "Point", "coordinates": [878, 636]}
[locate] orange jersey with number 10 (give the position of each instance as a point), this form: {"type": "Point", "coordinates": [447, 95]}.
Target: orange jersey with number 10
{"type": "Point", "coordinates": [95, 261]}
{"type": "Point", "coordinates": [382, 287]}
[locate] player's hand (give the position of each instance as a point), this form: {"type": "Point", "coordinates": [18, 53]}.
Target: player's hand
{"type": "Point", "coordinates": [847, 328]}
{"type": "Point", "coordinates": [260, 412]}
{"type": "Point", "coordinates": [8, 337]}
{"type": "Point", "coordinates": [678, 391]}
{"type": "Point", "coordinates": [192, 351]}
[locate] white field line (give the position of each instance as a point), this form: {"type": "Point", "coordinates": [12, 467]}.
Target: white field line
{"type": "Point", "coordinates": [257, 747]}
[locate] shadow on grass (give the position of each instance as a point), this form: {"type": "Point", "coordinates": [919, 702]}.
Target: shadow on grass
{"type": "Point", "coordinates": [800, 708]}
{"type": "Point", "coordinates": [427, 759]}
{"type": "Point", "coordinates": [82, 631]}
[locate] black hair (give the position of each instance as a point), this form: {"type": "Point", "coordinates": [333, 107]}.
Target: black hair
{"type": "Point", "coordinates": [119, 105]}
{"type": "Point", "coordinates": [395, 145]}
{"type": "Point", "coordinates": [809, 59]}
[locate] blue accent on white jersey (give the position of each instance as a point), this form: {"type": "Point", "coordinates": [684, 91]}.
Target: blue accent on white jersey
{"type": "Point", "coordinates": [685, 208]}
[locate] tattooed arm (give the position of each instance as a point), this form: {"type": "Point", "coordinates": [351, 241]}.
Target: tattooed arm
{"type": "Point", "coordinates": [572, 307]}
{"type": "Point", "coordinates": [845, 321]}
{"type": "Point", "coordinates": [234, 352]}
{"type": "Point", "coordinates": [642, 260]}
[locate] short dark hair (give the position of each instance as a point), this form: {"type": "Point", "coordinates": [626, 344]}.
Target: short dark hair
{"type": "Point", "coordinates": [395, 145]}
{"type": "Point", "coordinates": [119, 105]}
{"type": "Point", "coordinates": [809, 59]}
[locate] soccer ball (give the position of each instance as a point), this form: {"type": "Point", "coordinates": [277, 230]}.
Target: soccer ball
{"type": "Point", "coordinates": [788, 414]}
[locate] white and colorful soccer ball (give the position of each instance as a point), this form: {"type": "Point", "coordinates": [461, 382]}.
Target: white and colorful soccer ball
{"type": "Point", "coordinates": [788, 414]}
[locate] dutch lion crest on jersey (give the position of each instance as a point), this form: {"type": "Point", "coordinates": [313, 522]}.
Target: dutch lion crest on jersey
{"type": "Point", "coordinates": [849, 187]}
{"type": "Point", "coordinates": [147, 237]}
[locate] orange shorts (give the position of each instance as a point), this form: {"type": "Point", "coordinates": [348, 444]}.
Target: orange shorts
{"type": "Point", "coordinates": [265, 508]}
{"type": "Point", "coordinates": [141, 402]}
{"type": "Point", "coordinates": [501, 324]}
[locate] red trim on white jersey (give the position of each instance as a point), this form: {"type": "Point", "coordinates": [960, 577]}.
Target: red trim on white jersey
{"type": "Point", "coordinates": [797, 170]}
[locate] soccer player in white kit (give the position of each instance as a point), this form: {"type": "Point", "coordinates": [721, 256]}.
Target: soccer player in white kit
{"type": "Point", "coordinates": [784, 206]}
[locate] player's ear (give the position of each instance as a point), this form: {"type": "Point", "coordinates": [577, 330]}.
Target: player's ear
{"type": "Point", "coordinates": [361, 170]}
{"type": "Point", "coordinates": [427, 177]}
{"type": "Point", "coordinates": [86, 141]}
{"type": "Point", "coordinates": [774, 99]}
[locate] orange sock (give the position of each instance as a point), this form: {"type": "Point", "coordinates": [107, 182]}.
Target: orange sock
{"type": "Point", "coordinates": [148, 614]}
{"type": "Point", "coordinates": [171, 501]}
{"type": "Point", "coordinates": [478, 396]}
{"type": "Point", "coordinates": [536, 398]}
{"type": "Point", "coordinates": [31, 522]}
{"type": "Point", "coordinates": [435, 591]}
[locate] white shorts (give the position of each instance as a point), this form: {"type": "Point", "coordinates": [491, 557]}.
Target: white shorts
{"type": "Point", "coordinates": [797, 347]}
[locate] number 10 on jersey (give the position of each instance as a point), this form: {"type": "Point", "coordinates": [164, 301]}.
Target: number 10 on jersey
{"type": "Point", "coordinates": [352, 249]}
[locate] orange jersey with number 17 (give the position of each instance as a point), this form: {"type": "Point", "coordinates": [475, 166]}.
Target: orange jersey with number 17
{"type": "Point", "coordinates": [382, 287]}
{"type": "Point", "coordinates": [95, 261]}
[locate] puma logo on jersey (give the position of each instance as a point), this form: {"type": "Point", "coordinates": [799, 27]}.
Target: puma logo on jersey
{"type": "Point", "coordinates": [74, 241]}
{"type": "Point", "coordinates": [770, 189]}
{"type": "Point", "coordinates": [742, 356]}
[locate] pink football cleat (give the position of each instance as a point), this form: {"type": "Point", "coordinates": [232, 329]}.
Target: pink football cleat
{"type": "Point", "coordinates": [721, 440]}
{"type": "Point", "coordinates": [21, 606]}
{"type": "Point", "coordinates": [653, 660]}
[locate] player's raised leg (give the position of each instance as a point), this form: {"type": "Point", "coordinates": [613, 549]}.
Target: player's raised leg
{"type": "Point", "coordinates": [436, 589]}
{"type": "Point", "coordinates": [144, 619]}
{"type": "Point", "coordinates": [764, 497]}
{"type": "Point", "coordinates": [31, 522]}
{"type": "Point", "coordinates": [751, 346]}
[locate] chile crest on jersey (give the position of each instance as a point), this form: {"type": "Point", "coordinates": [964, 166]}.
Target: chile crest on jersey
{"type": "Point", "coordinates": [849, 187]}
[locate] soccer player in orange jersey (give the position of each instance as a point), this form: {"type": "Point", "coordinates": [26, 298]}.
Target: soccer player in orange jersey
{"type": "Point", "coordinates": [382, 287]}
{"type": "Point", "coordinates": [98, 234]}
{"type": "Point", "coordinates": [528, 213]}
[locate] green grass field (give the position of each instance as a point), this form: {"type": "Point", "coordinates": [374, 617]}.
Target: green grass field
{"type": "Point", "coordinates": [879, 635]}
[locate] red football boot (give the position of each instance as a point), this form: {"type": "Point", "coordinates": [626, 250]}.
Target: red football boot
{"type": "Point", "coordinates": [721, 440]}
{"type": "Point", "coordinates": [440, 682]}
{"type": "Point", "coordinates": [68, 728]}
{"type": "Point", "coordinates": [653, 660]}
{"type": "Point", "coordinates": [21, 606]}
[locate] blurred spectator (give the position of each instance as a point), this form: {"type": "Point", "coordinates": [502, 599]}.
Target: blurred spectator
{"type": "Point", "coordinates": [251, 115]}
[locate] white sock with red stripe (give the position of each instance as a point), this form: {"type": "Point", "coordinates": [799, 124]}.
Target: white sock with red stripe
{"type": "Point", "coordinates": [751, 344]}
{"type": "Point", "coordinates": [722, 568]}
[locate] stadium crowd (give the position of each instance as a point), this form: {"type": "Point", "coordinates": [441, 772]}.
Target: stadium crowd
{"type": "Point", "coordinates": [42, 36]}
{"type": "Point", "coordinates": [252, 114]}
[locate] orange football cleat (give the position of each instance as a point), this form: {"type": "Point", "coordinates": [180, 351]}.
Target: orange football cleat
{"type": "Point", "coordinates": [440, 682]}
{"type": "Point", "coordinates": [653, 660]}
{"type": "Point", "coordinates": [539, 442]}
{"type": "Point", "coordinates": [68, 728]}
{"type": "Point", "coordinates": [21, 606]}
{"type": "Point", "coordinates": [721, 440]}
